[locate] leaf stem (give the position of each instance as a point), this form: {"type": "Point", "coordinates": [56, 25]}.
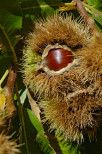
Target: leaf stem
{"type": "Point", "coordinates": [4, 76]}
{"type": "Point", "coordinates": [10, 44]}
{"type": "Point", "coordinates": [22, 117]}
{"type": "Point", "coordinates": [44, 6]}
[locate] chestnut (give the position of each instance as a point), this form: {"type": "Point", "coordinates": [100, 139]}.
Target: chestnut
{"type": "Point", "coordinates": [58, 58]}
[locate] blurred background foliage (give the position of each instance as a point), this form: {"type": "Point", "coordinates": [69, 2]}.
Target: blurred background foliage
{"type": "Point", "coordinates": [16, 21]}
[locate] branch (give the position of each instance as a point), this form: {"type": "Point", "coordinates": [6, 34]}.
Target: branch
{"type": "Point", "coordinates": [8, 90]}
{"type": "Point", "coordinates": [81, 9]}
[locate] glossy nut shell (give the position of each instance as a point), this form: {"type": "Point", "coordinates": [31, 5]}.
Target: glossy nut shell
{"type": "Point", "coordinates": [58, 58]}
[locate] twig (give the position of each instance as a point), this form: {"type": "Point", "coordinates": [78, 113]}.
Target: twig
{"type": "Point", "coordinates": [12, 77]}
{"type": "Point", "coordinates": [8, 90]}
{"type": "Point", "coordinates": [84, 14]}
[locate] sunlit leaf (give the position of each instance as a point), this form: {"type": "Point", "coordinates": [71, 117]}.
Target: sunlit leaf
{"type": "Point", "coordinates": [68, 147]}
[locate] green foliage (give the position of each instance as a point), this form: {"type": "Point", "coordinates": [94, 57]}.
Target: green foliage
{"type": "Point", "coordinates": [10, 23]}
{"type": "Point", "coordinates": [94, 3]}
{"type": "Point", "coordinates": [32, 10]}
{"type": "Point", "coordinates": [68, 147]}
{"type": "Point", "coordinates": [97, 15]}
{"type": "Point", "coordinates": [36, 139]}
{"type": "Point", "coordinates": [16, 20]}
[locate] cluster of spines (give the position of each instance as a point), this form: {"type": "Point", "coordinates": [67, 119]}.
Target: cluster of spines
{"type": "Point", "coordinates": [7, 145]}
{"type": "Point", "coordinates": [69, 99]}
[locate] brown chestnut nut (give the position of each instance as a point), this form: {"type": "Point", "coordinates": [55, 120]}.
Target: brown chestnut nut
{"type": "Point", "coordinates": [58, 58]}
